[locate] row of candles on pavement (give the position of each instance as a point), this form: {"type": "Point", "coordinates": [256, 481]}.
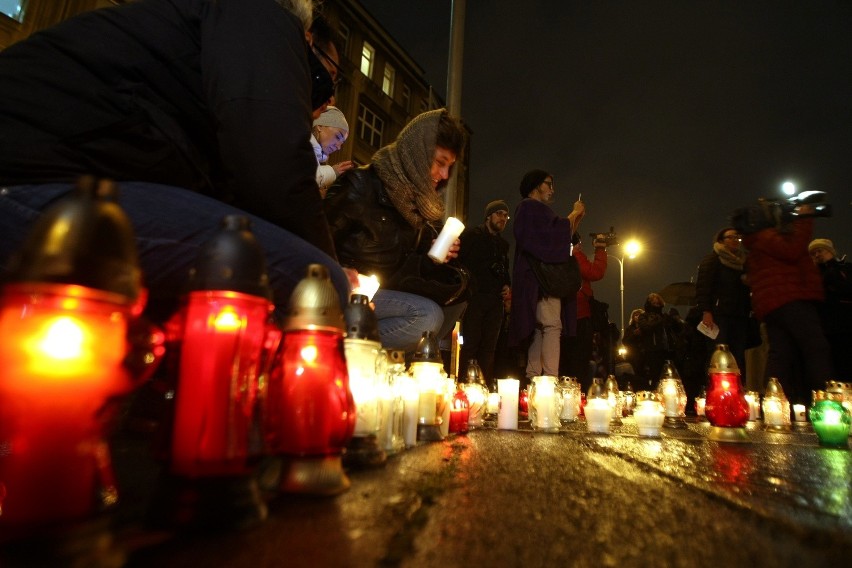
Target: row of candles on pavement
{"type": "Point", "coordinates": [552, 403]}
{"type": "Point", "coordinates": [312, 391]}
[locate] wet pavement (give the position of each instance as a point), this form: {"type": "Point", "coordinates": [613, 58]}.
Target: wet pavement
{"type": "Point", "coordinates": [523, 498]}
{"type": "Point", "coordinates": [531, 499]}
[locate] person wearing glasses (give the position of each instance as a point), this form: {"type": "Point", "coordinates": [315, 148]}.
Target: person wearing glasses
{"type": "Point", "coordinates": [721, 293]}
{"type": "Point", "coordinates": [197, 109]}
{"type": "Point", "coordinates": [539, 231]}
{"type": "Point", "coordinates": [486, 255]}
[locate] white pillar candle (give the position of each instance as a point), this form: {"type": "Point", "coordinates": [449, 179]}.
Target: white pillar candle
{"type": "Point", "coordinates": [598, 413]}
{"type": "Point", "coordinates": [507, 415]}
{"type": "Point", "coordinates": [799, 412]}
{"type": "Point", "coordinates": [448, 235]}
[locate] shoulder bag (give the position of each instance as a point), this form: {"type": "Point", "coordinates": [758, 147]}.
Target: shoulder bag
{"type": "Point", "coordinates": [556, 279]}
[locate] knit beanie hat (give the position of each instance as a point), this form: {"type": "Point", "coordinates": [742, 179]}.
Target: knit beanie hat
{"type": "Point", "coordinates": [532, 180]}
{"type": "Point", "coordinates": [333, 117]}
{"type": "Point", "coordinates": [495, 206]}
{"type": "Point", "coordinates": [822, 243]}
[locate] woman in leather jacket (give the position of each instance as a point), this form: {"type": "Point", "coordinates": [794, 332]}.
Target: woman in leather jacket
{"type": "Point", "coordinates": [384, 211]}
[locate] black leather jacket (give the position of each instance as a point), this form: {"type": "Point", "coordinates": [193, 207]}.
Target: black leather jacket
{"type": "Point", "coordinates": [369, 233]}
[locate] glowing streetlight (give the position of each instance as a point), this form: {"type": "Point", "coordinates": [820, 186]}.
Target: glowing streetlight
{"type": "Point", "coordinates": [630, 250]}
{"type": "Point", "coordinates": [788, 187]}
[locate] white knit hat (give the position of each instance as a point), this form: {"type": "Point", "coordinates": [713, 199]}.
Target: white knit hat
{"type": "Point", "coordinates": [333, 117]}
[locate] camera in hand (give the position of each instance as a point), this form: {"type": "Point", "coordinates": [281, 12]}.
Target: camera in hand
{"type": "Point", "coordinates": [779, 212]}
{"type": "Point", "coordinates": [610, 238]}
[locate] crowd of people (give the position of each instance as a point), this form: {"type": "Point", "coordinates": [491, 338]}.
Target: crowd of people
{"type": "Point", "coordinates": [202, 113]}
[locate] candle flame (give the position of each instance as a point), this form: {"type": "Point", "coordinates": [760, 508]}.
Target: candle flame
{"type": "Point", "coordinates": [227, 319]}
{"type": "Point", "coordinates": [309, 353]}
{"type": "Point", "coordinates": [63, 339]}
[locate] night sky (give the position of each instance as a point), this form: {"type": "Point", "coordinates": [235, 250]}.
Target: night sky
{"type": "Point", "coordinates": [666, 115]}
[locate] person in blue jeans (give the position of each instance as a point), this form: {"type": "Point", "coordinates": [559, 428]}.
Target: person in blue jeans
{"type": "Point", "coordinates": [196, 110]}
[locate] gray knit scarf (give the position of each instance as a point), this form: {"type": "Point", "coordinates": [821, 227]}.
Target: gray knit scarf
{"type": "Point", "coordinates": [730, 259]}
{"type": "Point", "coordinates": [404, 168]}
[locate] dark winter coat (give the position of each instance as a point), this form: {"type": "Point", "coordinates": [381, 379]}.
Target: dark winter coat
{"type": "Point", "coordinates": [720, 289]}
{"type": "Point", "coordinates": [214, 97]}
{"type": "Point", "coordinates": [486, 256]}
{"type": "Point", "coordinates": [369, 233]}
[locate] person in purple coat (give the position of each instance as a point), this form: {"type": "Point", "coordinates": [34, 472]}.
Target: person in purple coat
{"type": "Point", "coordinates": [537, 318]}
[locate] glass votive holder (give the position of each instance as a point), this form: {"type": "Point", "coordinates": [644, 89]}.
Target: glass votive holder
{"type": "Point", "coordinates": [831, 422]}
{"type": "Point", "coordinates": [597, 410]}
{"type": "Point", "coordinates": [545, 404]}
{"type": "Point", "coordinates": [649, 414]}
{"type": "Point", "coordinates": [570, 389]}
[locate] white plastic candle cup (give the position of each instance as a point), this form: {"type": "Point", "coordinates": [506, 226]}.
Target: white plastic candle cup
{"type": "Point", "coordinates": [598, 413]}
{"type": "Point", "coordinates": [441, 247]}
{"type": "Point", "coordinates": [649, 418]}
{"type": "Point", "coordinates": [799, 412]}
{"type": "Point", "coordinates": [507, 416]}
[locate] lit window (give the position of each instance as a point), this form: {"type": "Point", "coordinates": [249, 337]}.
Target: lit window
{"type": "Point", "coordinates": [370, 127]}
{"type": "Point", "coordinates": [14, 9]}
{"type": "Point", "coordinates": [368, 54]}
{"type": "Point", "coordinates": [388, 80]}
{"type": "Point", "coordinates": [406, 98]}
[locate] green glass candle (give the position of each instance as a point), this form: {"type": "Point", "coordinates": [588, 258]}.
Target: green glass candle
{"type": "Point", "coordinates": [831, 423]}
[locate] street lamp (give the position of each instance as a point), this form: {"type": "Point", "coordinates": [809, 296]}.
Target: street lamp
{"type": "Point", "coordinates": [631, 249]}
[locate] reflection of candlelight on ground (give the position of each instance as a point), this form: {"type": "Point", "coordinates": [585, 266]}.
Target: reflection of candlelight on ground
{"type": "Point", "coordinates": [732, 463]}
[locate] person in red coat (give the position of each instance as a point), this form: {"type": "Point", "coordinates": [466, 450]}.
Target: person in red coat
{"type": "Point", "coordinates": [576, 351]}
{"type": "Point", "coordinates": [786, 288]}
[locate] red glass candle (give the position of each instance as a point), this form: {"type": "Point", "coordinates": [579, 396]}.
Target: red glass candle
{"type": "Point", "coordinates": [524, 403]}
{"type": "Point", "coordinates": [315, 409]}
{"type": "Point", "coordinates": [726, 405]}
{"type": "Point", "coordinates": [459, 412]}
{"type": "Point", "coordinates": [221, 353]}
{"type": "Point", "coordinates": [62, 352]}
